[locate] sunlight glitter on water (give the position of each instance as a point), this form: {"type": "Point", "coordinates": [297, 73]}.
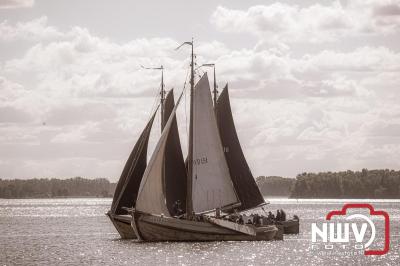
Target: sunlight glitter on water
{"type": "Point", "coordinates": [76, 231]}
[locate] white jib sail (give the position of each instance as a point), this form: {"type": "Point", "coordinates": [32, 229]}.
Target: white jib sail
{"type": "Point", "coordinates": [151, 198]}
{"type": "Point", "coordinates": [212, 185]}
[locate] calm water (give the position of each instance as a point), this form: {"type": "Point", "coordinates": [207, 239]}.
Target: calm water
{"type": "Point", "coordinates": [76, 231]}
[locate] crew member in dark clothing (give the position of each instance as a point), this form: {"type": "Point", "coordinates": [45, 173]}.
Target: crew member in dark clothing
{"type": "Point", "coordinates": [278, 215]}
{"type": "Point", "coordinates": [240, 221]}
{"type": "Point", "coordinates": [177, 208]}
{"type": "Point", "coordinates": [256, 219]}
{"type": "Point", "coordinates": [283, 215]}
{"type": "Point", "coordinates": [271, 216]}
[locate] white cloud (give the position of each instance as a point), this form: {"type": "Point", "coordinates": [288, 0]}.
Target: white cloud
{"type": "Point", "coordinates": [74, 101]}
{"type": "Point", "coordinates": [280, 22]}
{"type": "Point", "coordinates": [34, 30]}
{"type": "Point", "coordinates": [8, 4]}
{"type": "Point", "coordinates": [365, 58]}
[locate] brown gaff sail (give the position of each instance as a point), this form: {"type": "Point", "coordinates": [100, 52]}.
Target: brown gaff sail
{"type": "Point", "coordinates": [128, 185]}
{"type": "Point", "coordinates": [242, 178]}
{"type": "Point", "coordinates": [174, 167]}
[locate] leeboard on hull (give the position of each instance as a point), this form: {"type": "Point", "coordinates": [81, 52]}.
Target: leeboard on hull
{"type": "Point", "coordinates": [157, 228]}
{"type": "Point", "coordinates": [123, 225]}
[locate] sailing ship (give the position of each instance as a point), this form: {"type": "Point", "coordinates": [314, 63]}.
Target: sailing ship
{"type": "Point", "coordinates": [172, 199]}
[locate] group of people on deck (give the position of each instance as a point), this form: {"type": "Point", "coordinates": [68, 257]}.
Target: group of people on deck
{"type": "Point", "coordinates": [280, 216]}
{"type": "Point", "coordinates": [257, 219]}
{"type": "Point", "coordinates": [253, 219]}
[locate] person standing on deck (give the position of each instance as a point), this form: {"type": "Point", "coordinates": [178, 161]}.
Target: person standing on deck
{"type": "Point", "coordinates": [278, 215]}
{"type": "Point", "coordinates": [283, 215]}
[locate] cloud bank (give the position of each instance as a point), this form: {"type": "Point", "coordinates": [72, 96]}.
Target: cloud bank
{"type": "Point", "coordinates": [73, 103]}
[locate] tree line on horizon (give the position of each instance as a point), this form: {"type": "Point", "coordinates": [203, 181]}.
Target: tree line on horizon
{"type": "Point", "coordinates": [275, 186]}
{"type": "Point", "coordinates": [369, 184]}
{"type": "Point", "coordinates": [55, 188]}
{"type": "Point", "coordinates": [345, 184]}
{"type": "Point", "coordinates": [366, 183]}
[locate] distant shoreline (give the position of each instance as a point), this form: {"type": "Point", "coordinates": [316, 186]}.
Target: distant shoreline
{"type": "Point", "coordinates": [364, 184]}
{"type": "Point", "coordinates": [56, 188]}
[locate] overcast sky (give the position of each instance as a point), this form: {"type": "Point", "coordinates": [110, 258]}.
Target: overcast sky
{"type": "Point", "coordinates": [314, 85]}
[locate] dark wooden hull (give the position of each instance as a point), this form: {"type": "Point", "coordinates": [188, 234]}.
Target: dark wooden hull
{"type": "Point", "coordinates": [123, 225]}
{"type": "Point", "coordinates": [156, 228]}
{"type": "Point", "coordinates": [291, 226]}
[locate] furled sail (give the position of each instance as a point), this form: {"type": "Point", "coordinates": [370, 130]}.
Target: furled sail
{"type": "Point", "coordinates": [243, 180]}
{"type": "Point", "coordinates": [128, 185]}
{"type": "Point", "coordinates": [174, 165]}
{"type": "Point", "coordinates": [211, 183]}
{"type": "Point", "coordinates": [151, 198]}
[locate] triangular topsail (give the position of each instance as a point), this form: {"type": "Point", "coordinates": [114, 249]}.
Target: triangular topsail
{"type": "Point", "coordinates": [211, 183]}
{"type": "Point", "coordinates": [128, 185]}
{"type": "Point", "coordinates": [174, 166]}
{"type": "Point", "coordinates": [151, 198]}
{"type": "Point", "coordinates": [243, 180]}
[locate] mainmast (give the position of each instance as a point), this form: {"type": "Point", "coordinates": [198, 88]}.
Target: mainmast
{"type": "Point", "coordinates": [162, 93]}
{"type": "Point", "coordinates": [189, 200]}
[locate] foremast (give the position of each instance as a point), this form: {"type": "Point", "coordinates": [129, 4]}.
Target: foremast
{"type": "Point", "coordinates": [162, 93]}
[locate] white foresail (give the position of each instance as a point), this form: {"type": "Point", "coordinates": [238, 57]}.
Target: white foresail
{"type": "Point", "coordinates": [151, 196]}
{"type": "Point", "coordinates": [211, 183]}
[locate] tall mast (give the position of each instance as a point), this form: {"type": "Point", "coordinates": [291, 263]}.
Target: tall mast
{"type": "Point", "coordinates": [189, 201]}
{"type": "Point", "coordinates": [162, 93]}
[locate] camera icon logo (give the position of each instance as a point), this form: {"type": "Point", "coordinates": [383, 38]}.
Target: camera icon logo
{"type": "Point", "coordinates": [336, 232]}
